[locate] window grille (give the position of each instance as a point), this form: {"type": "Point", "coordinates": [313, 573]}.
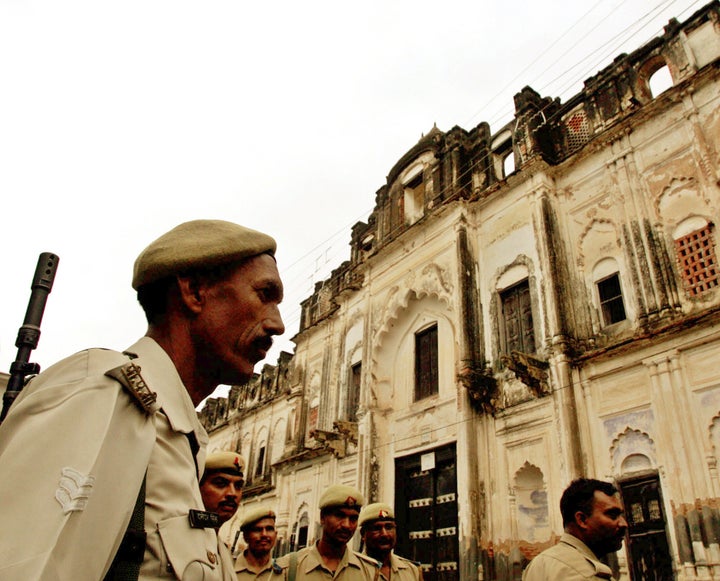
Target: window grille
{"type": "Point", "coordinates": [577, 130]}
{"type": "Point", "coordinates": [696, 253]}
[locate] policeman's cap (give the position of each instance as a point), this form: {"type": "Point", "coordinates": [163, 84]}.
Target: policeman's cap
{"type": "Point", "coordinates": [343, 496]}
{"type": "Point", "coordinates": [254, 515]}
{"type": "Point", "coordinates": [229, 462]}
{"type": "Point", "coordinates": [376, 511]}
{"type": "Point", "coordinates": [198, 244]}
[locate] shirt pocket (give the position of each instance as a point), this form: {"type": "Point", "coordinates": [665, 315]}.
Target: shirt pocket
{"type": "Point", "coordinates": [191, 554]}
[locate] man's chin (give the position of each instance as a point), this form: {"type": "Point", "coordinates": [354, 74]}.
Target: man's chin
{"type": "Point", "coordinates": [613, 546]}
{"type": "Point", "coordinates": [226, 513]}
{"type": "Point", "coordinates": [239, 374]}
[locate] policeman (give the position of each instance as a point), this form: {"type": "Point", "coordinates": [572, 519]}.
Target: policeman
{"type": "Point", "coordinates": [108, 444]}
{"type": "Point", "coordinates": [595, 525]}
{"type": "Point", "coordinates": [221, 484]}
{"type": "Point", "coordinates": [379, 534]}
{"type": "Point", "coordinates": [330, 558]}
{"type": "Point", "coordinates": [259, 534]}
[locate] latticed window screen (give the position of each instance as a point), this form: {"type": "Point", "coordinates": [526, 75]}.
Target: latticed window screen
{"type": "Point", "coordinates": [577, 129]}
{"type": "Point", "coordinates": [698, 263]}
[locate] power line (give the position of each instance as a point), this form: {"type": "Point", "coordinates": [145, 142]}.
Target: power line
{"type": "Point", "coordinates": [595, 57]}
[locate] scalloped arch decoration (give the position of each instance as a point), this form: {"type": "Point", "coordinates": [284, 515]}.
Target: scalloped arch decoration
{"type": "Point", "coordinates": [432, 283]}
{"type": "Point", "coordinates": [524, 470]}
{"type": "Point", "coordinates": [678, 199]}
{"type": "Point", "coordinates": [302, 510]}
{"type": "Point", "coordinates": [603, 232]}
{"type": "Point", "coordinates": [354, 337]}
{"type": "Point", "coordinates": [500, 278]}
{"type": "Point", "coordinates": [355, 317]}
{"type": "Point", "coordinates": [532, 503]}
{"type": "Point", "coordinates": [628, 443]}
{"type": "Point", "coordinates": [262, 433]}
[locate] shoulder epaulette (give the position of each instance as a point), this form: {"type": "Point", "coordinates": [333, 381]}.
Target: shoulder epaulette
{"type": "Point", "coordinates": [129, 376]}
{"type": "Point", "coordinates": [367, 559]}
{"type": "Point", "coordinates": [416, 563]}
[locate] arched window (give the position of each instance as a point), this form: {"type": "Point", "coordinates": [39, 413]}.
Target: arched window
{"type": "Point", "coordinates": [609, 292]}
{"type": "Point", "coordinates": [503, 155]}
{"type": "Point", "coordinates": [414, 195]}
{"type": "Point", "coordinates": [301, 540]}
{"type": "Point", "coordinates": [517, 318]}
{"type": "Point", "coordinates": [660, 81]}
{"type": "Point", "coordinates": [353, 392]}
{"type": "Point", "coordinates": [260, 462]}
{"type": "Point", "coordinates": [426, 362]}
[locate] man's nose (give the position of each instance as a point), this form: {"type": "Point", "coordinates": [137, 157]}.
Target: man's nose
{"type": "Point", "coordinates": [234, 489]}
{"type": "Point", "coordinates": [623, 522]}
{"type": "Point", "coordinates": [274, 323]}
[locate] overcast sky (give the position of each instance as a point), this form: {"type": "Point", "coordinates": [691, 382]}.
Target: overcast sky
{"type": "Point", "coordinates": [119, 120]}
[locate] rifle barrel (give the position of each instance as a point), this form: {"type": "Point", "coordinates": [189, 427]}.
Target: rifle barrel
{"type": "Point", "coordinates": [29, 333]}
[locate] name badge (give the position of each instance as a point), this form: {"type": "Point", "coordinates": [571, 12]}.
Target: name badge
{"type": "Point", "coordinates": [200, 519]}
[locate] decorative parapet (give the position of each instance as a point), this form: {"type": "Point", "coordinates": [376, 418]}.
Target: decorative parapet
{"type": "Point", "coordinates": [322, 304]}
{"type": "Point", "coordinates": [263, 389]}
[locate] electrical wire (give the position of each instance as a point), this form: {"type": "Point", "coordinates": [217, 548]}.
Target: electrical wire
{"type": "Point", "coordinates": [611, 46]}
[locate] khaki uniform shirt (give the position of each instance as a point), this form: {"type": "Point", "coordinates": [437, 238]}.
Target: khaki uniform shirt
{"type": "Point", "coordinates": [73, 452]}
{"type": "Point", "coordinates": [402, 569]}
{"type": "Point", "coordinates": [353, 566]}
{"type": "Point", "coordinates": [270, 572]}
{"type": "Point", "coordinates": [569, 560]}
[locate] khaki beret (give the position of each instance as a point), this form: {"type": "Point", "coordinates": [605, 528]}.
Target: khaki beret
{"type": "Point", "coordinates": [255, 514]}
{"type": "Point", "coordinates": [198, 244]}
{"type": "Point", "coordinates": [376, 511]}
{"type": "Point", "coordinates": [229, 462]}
{"type": "Point", "coordinates": [342, 495]}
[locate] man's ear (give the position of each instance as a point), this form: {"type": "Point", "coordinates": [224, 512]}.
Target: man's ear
{"type": "Point", "coordinates": [192, 292]}
{"type": "Point", "coordinates": [581, 519]}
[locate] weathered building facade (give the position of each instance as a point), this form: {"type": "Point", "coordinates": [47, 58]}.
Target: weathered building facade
{"type": "Point", "coordinates": [501, 329]}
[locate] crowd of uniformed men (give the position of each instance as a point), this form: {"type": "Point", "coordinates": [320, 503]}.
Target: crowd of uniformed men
{"type": "Point", "coordinates": [103, 468]}
{"type": "Point", "coordinates": [330, 558]}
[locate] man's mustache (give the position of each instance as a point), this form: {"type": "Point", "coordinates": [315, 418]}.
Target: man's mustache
{"type": "Point", "coordinates": [264, 342]}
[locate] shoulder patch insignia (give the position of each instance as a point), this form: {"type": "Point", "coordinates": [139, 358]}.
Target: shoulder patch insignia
{"type": "Point", "coordinates": [129, 376]}
{"type": "Point", "coordinates": [74, 489]}
{"type": "Point", "coordinates": [368, 559]}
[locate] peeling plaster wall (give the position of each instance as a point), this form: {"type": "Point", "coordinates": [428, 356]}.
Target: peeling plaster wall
{"type": "Point", "coordinates": [603, 185]}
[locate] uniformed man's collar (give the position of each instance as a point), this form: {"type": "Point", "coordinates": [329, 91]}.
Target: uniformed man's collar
{"type": "Point", "coordinates": [241, 564]}
{"type": "Point", "coordinates": [587, 552]}
{"type": "Point", "coordinates": [163, 378]}
{"type": "Point", "coordinates": [314, 560]}
{"type": "Point", "coordinates": [396, 563]}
